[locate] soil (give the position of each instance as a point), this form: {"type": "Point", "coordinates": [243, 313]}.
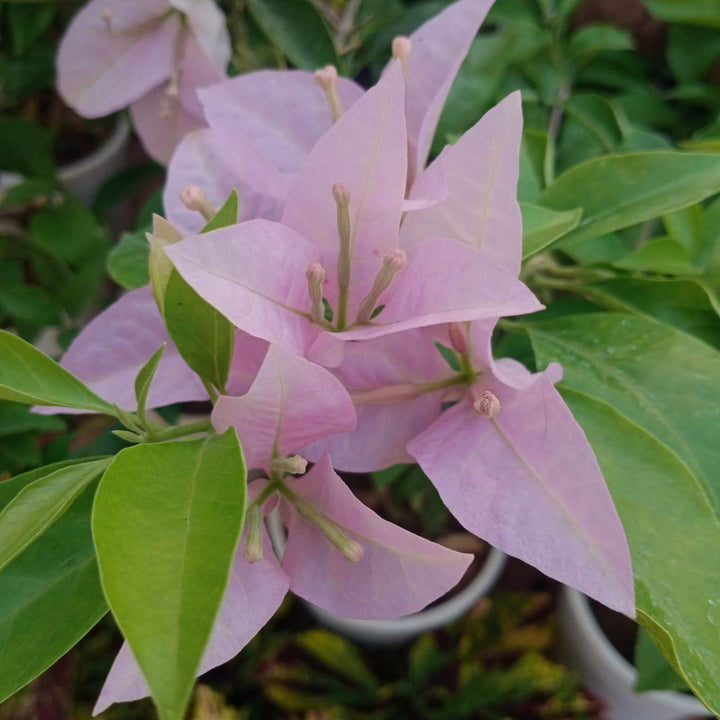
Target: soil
{"type": "Point", "coordinates": [73, 137]}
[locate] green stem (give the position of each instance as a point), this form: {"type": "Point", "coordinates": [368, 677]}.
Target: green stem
{"type": "Point", "coordinates": [181, 431]}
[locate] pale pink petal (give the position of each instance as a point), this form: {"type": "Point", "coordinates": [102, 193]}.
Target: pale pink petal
{"type": "Point", "coordinates": [279, 113]}
{"type": "Point", "coordinates": [292, 402]}
{"type": "Point", "coordinates": [111, 349]}
{"type": "Point", "coordinates": [447, 281]}
{"type": "Point", "coordinates": [163, 120]}
{"type": "Point", "coordinates": [399, 573]}
{"type": "Point", "coordinates": [200, 160]}
{"type": "Point", "coordinates": [428, 190]}
{"type": "Point", "coordinates": [254, 274]}
{"type": "Point", "coordinates": [248, 357]}
{"type": "Point", "coordinates": [481, 171]}
{"type": "Point", "coordinates": [527, 481]}
{"type": "Point", "coordinates": [364, 150]}
{"type": "Point", "coordinates": [161, 123]}
{"type": "Point", "coordinates": [383, 431]}
{"type": "Point", "coordinates": [438, 49]}
{"type": "Point", "coordinates": [100, 72]}
{"type": "Point", "coordinates": [254, 593]}
{"type": "Point", "coordinates": [209, 28]}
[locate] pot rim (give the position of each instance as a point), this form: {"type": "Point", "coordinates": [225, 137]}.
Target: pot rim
{"type": "Point", "coordinates": [70, 172]}
{"type": "Point", "coordinates": [578, 605]}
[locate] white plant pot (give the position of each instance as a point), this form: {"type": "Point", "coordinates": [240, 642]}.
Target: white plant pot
{"type": "Point", "coordinates": [399, 630]}
{"type": "Point", "coordinates": [83, 177]}
{"type": "Point", "coordinates": [585, 648]}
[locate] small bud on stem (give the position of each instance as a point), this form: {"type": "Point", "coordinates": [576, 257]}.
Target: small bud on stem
{"type": "Point", "coordinates": [193, 197]}
{"type": "Point", "coordinates": [401, 49]}
{"type": "Point", "coordinates": [254, 545]}
{"type": "Point", "coordinates": [394, 261]}
{"type": "Point", "coordinates": [316, 276]}
{"type": "Point", "coordinates": [291, 465]}
{"type": "Point", "coordinates": [326, 78]}
{"type": "Point", "coordinates": [350, 549]}
{"type": "Point", "coordinates": [485, 404]}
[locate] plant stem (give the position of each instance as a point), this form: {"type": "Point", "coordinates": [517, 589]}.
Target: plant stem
{"type": "Point", "coordinates": [180, 431]}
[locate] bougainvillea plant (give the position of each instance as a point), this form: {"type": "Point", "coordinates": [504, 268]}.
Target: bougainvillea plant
{"type": "Point", "coordinates": [335, 300]}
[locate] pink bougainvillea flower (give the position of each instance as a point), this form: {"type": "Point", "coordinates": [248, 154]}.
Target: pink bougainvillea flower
{"type": "Point", "coordinates": [339, 244]}
{"type": "Point", "coordinates": [111, 349]}
{"type": "Point", "coordinates": [507, 458]}
{"type": "Point", "coordinates": [263, 125]}
{"type": "Point", "coordinates": [149, 54]}
{"type": "Point", "coordinates": [339, 554]}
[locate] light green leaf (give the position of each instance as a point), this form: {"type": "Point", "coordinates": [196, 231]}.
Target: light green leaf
{"type": "Point", "coordinates": [672, 533]}
{"type": "Point", "coordinates": [228, 214]}
{"type": "Point", "coordinates": [662, 255]}
{"type": "Point", "coordinates": [598, 37]}
{"type": "Point", "coordinates": [203, 336]}
{"type": "Point", "coordinates": [50, 597]}
{"type": "Point", "coordinates": [37, 506]}
{"type": "Point", "coordinates": [28, 376]}
{"type": "Point", "coordinates": [297, 28]}
{"type": "Point", "coordinates": [144, 379]}
{"type": "Point", "coordinates": [127, 262]}
{"type": "Point", "coordinates": [166, 522]}
{"type": "Point", "coordinates": [616, 191]}
{"type": "Point", "coordinates": [660, 378]}
{"type": "Point", "coordinates": [694, 12]}
{"type": "Point", "coordinates": [542, 227]}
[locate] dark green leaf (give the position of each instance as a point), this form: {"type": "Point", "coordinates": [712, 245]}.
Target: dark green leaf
{"type": "Point", "coordinates": [127, 262]}
{"type": "Point", "coordinates": [297, 28]}
{"type": "Point", "coordinates": [25, 148]}
{"type": "Point", "coordinates": [677, 575]}
{"type": "Point", "coordinates": [50, 596]}
{"type": "Point", "coordinates": [654, 671]}
{"type": "Point", "coordinates": [37, 506]}
{"type": "Point", "coordinates": [203, 336]}
{"type": "Point", "coordinates": [542, 227]}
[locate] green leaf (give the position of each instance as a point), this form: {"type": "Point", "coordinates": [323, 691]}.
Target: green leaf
{"type": "Point", "coordinates": [693, 12]}
{"type": "Point", "coordinates": [691, 51]}
{"type": "Point", "coordinates": [28, 376]}
{"type": "Point", "coordinates": [654, 671]}
{"type": "Point", "coordinates": [144, 379]}
{"type": "Point", "coordinates": [29, 514]}
{"type": "Point", "coordinates": [683, 304]}
{"type": "Point", "coordinates": [338, 655]}
{"type": "Point", "coordinates": [11, 487]}
{"type": "Point", "coordinates": [127, 262]}
{"type": "Point", "coordinates": [542, 227]}
{"type": "Point", "coordinates": [166, 522]}
{"type": "Point", "coordinates": [25, 148]}
{"type": "Point", "coordinates": [26, 22]}
{"type": "Point", "coordinates": [16, 419]}
{"type": "Point", "coordinates": [203, 336]}
{"type": "Point", "coordinates": [616, 191]}
{"type": "Point", "coordinates": [228, 214]}
{"type": "Point", "coordinates": [50, 597]}
{"type": "Point", "coordinates": [662, 255]}
{"type": "Point", "coordinates": [297, 28]}
{"type": "Point", "coordinates": [68, 231]}
{"type": "Point", "coordinates": [672, 533]}
{"type": "Point", "coordinates": [598, 37]}
{"type": "Point", "coordinates": [660, 378]}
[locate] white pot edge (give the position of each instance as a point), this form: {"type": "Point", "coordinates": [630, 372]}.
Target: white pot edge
{"type": "Point", "coordinates": [602, 669]}
{"type": "Point", "coordinates": [390, 632]}
{"type": "Point", "coordinates": [74, 175]}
